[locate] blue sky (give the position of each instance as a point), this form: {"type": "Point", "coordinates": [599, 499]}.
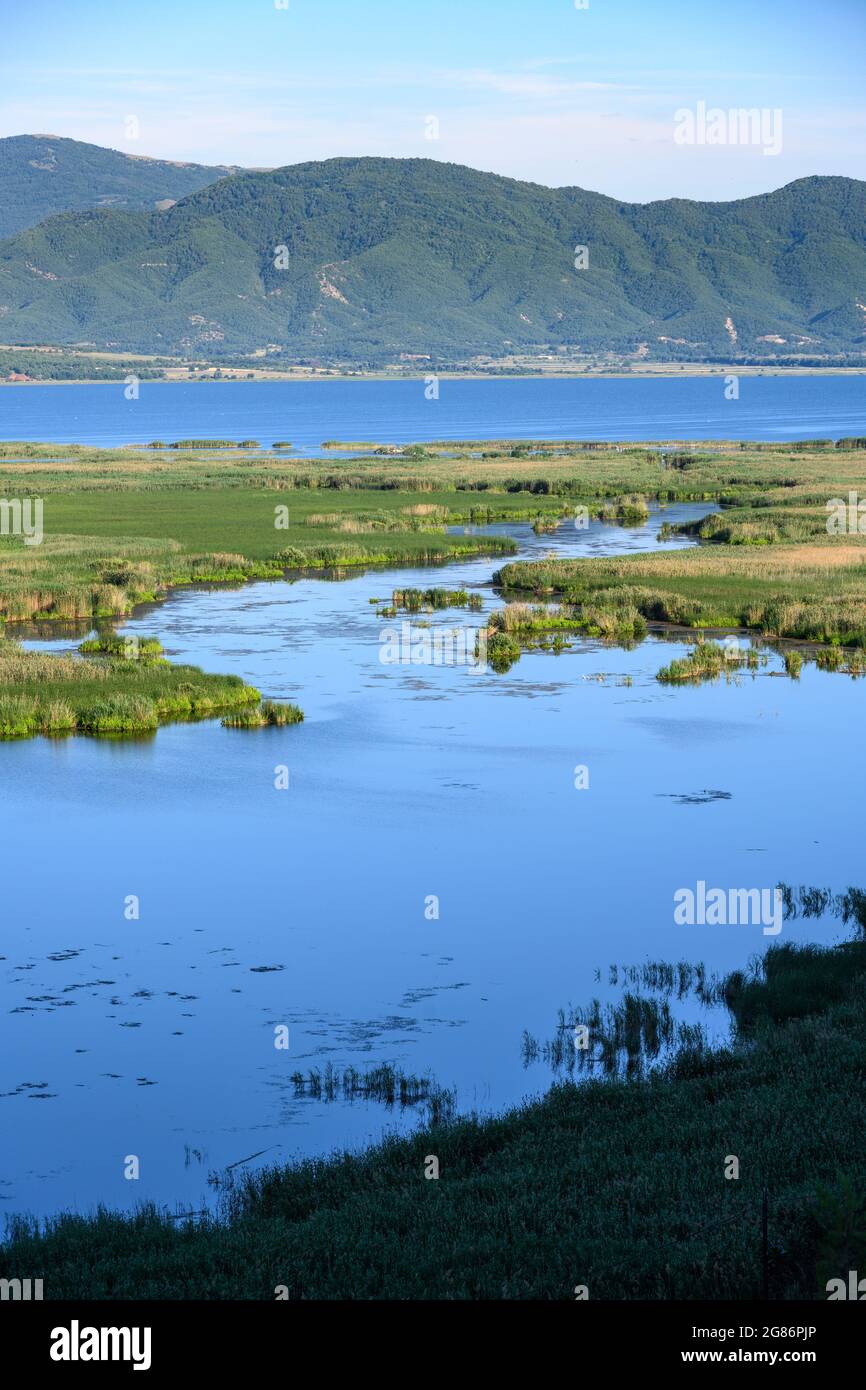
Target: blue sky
{"type": "Point", "coordinates": [536, 89]}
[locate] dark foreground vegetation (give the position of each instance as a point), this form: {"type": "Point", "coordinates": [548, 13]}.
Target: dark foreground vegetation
{"type": "Point", "coordinates": [617, 1185]}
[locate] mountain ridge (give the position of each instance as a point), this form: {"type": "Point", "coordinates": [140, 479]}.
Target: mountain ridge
{"type": "Point", "coordinates": [43, 175]}
{"type": "Point", "coordinates": [369, 258]}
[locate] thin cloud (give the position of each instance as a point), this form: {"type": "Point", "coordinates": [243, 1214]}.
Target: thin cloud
{"type": "Point", "coordinates": [525, 84]}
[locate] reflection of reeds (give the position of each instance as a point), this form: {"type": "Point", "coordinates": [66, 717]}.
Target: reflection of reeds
{"type": "Point", "coordinates": [420, 600]}
{"type": "Point", "coordinates": [708, 661]}
{"type": "Point", "coordinates": [623, 1037]}
{"type": "Point", "coordinates": [786, 982]}
{"type": "Point", "coordinates": [386, 1084]}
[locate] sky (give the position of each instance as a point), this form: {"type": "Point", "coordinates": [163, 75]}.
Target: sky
{"type": "Point", "coordinates": [551, 91]}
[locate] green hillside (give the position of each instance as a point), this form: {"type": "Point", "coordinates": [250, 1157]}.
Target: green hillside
{"type": "Point", "coordinates": [41, 175]}
{"type": "Point", "coordinates": [386, 256]}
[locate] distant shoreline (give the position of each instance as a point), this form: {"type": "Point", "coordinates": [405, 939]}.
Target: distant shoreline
{"type": "Point", "coordinates": [665, 372]}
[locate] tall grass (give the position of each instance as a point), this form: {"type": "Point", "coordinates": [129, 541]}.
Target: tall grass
{"type": "Point", "coordinates": [653, 1217]}
{"type": "Point", "coordinates": [708, 661]}
{"type": "Point", "coordinates": [106, 693]}
{"type": "Point", "coordinates": [270, 713]}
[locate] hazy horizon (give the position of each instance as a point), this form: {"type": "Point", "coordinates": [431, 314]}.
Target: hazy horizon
{"type": "Point", "coordinates": [551, 94]}
{"type": "Point", "coordinates": [272, 168]}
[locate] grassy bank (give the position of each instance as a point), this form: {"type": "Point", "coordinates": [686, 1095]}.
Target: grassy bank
{"type": "Point", "coordinates": [117, 687]}
{"type": "Point", "coordinates": [124, 526]}
{"type": "Point", "coordinates": [616, 1185]}
{"type": "Point", "coordinates": [813, 592]}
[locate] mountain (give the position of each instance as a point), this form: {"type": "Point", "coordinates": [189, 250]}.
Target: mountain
{"type": "Point", "coordinates": [41, 175]}
{"type": "Point", "coordinates": [384, 256]}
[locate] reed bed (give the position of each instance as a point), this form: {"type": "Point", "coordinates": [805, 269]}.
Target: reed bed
{"type": "Point", "coordinates": [385, 1084]}
{"type": "Point", "coordinates": [269, 714]}
{"type": "Point", "coordinates": [655, 1219]}
{"type": "Point", "coordinates": [708, 662]}
{"type": "Point", "coordinates": [519, 626]}
{"type": "Point", "coordinates": [430, 600]}
{"type": "Point", "coordinates": [106, 693]}
{"type": "Point", "coordinates": [814, 593]}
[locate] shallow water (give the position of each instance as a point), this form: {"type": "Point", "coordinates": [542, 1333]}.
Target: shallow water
{"type": "Point", "coordinates": [155, 1037]}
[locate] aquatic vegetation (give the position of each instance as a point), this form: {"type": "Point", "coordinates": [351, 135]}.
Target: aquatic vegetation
{"type": "Point", "coordinates": [769, 563]}
{"type": "Point", "coordinates": [832, 659]}
{"type": "Point", "coordinates": [686, 1234]}
{"type": "Point", "coordinates": [334, 554]}
{"type": "Point", "coordinates": [386, 1084]}
{"type": "Point", "coordinates": [627, 511]}
{"type": "Point", "coordinates": [793, 982]}
{"type": "Point", "coordinates": [502, 651]}
{"type": "Point", "coordinates": [708, 661]}
{"type": "Point", "coordinates": [270, 713]}
{"type": "Point", "coordinates": [118, 714]}
{"type": "Point", "coordinates": [214, 444]}
{"type": "Point", "coordinates": [619, 1039]}
{"type": "Point", "coordinates": [131, 648]}
{"type": "Point", "coordinates": [530, 626]}
{"type": "Point", "coordinates": [106, 693]}
{"type": "Point", "coordinates": [279, 713]}
{"type": "Point", "coordinates": [428, 600]}
{"type": "Point", "coordinates": [794, 663]}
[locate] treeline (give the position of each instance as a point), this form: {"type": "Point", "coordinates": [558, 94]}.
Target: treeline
{"type": "Point", "coordinates": [57, 366]}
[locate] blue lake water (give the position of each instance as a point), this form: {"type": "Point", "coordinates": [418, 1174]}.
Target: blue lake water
{"type": "Point", "coordinates": [388, 412]}
{"type": "Point", "coordinates": [155, 1037]}
{"type": "Point", "coordinates": [306, 906]}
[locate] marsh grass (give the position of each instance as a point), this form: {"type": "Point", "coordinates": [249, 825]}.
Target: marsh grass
{"type": "Point", "coordinates": [523, 626]}
{"type": "Point", "coordinates": [385, 1084]}
{"type": "Point", "coordinates": [654, 1220]}
{"type": "Point", "coordinates": [813, 592]}
{"type": "Point", "coordinates": [627, 1037]}
{"type": "Point", "coordinates": [708, 661]}
{"type": "Point", "coordinates": [134, 648]}
{"type": "Point", "coordinates": [269, 714]}
{"type": "Point", "coordinates": [793, 982]}
{"type": "Point", "coordinates": [427, 518]}
{"type": "Point", "coordinates": [106, 694]}
{"type": "Point", "coordinates": [429, 600]}
{"type": "Point", "coordinates": [126, 525]}
{"type": "Point", "coordinates": [502, 651]}
{"type": "Point", "coordinates": [794, 663]}
{"type": "Point", "coordinates": [627, 511]}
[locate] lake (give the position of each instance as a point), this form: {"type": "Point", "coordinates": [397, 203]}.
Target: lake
{"type": "Point", "coordinates": [388, 412]}
{"type": "Point", "coordinates": [308, 907]}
